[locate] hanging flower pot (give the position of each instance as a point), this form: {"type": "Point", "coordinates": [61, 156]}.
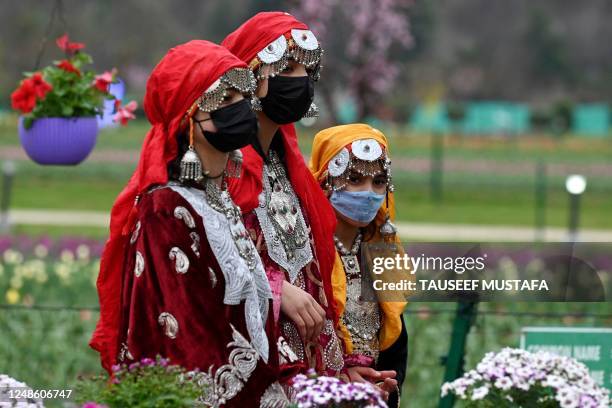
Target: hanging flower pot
{"type": "Point", "coordinates": [59, 106]}
{"type": "Point", "coordinates": [66, 141]}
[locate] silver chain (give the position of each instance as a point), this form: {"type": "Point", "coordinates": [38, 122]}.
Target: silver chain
{"type": "Point", "coordinates": [354, 249]}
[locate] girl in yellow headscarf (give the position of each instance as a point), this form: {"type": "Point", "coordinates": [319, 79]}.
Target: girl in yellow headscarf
{"type": "Point", "coordinates": [352, 165]}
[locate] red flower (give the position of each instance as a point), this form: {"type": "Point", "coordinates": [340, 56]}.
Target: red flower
{"type": "Point", "coordinates": [68, 67]}
{"type": "Point", "coordinates": [126, 113]}
{"type": "Point", "coordinates": [41, 87]}
{"type": "Point", "coordinates": [24, 97]}
{"type": "Point", "coordinates": [33, 88]}
{"type": "Point", "coordinates": [104, 80]}
{"type": "Point", "coordinates": [68, 47]}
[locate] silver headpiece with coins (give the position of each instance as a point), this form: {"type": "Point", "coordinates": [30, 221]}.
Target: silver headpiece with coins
{"type": "Point", "coordinates": [299, 45]}
{"type": "Point", "coordinates": [365, 156]}
{"type": "Point", "coordinates": [240, 79]}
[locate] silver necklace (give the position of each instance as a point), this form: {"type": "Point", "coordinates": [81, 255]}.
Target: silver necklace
{"type": "Point", "coordinates": [349, 258]}
{"type": "Point", "coordinates": [281, 219]}
{"type": "Point", "coordinates": [361, 318]}
{"type": "Point", "coordinates": [220, 201]}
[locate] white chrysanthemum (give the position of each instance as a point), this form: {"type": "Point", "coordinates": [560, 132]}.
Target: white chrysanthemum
{"type": "Point", "coordinates": [66, 256]}
{"type": "Point", "coordinates": [480, 392]}
{"type": "Point", "coordinates": [12, 256]}
{"type": "Point", "coordinates": [83, 252]}
{"type": "Point", "coordinates": [41, 251]}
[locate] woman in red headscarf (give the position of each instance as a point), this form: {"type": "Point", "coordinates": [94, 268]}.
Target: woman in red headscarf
{"type": "Point", "coordinates": [288, 215]}
{"type": "Point", "coordinates": [180, 276]}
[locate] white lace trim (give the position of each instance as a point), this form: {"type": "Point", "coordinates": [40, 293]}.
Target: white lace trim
{"type": "Point", "coordinates": [240, 283]}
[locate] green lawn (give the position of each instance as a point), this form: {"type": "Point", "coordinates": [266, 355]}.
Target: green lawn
{"type": "Point", "coordinates": [481, 198]}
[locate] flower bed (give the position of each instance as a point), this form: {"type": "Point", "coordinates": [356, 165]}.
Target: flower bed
{"type": "Point", "coordinates": [518, 378]}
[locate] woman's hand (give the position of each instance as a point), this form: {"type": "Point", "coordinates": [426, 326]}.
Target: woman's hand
{"type": "Point", "coordinates": [303, 310]}
{"type": "Point", "coordinates": [384, 380]}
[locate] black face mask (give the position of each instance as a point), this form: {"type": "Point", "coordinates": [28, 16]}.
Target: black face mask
{"type": "Point", "coordinates": [288, 98]}
{"type": "Point", "coordinates": [236, 127]}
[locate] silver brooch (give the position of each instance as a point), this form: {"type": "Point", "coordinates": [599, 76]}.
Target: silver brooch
{"type": "Point", "coordinates": [181, 260]}
{"type": "Point", "coordinates": [337, 165]}
{"type": "Point", "coordinates": [169, 323]}
{"type": "Point", "coordinates": [366, 149]}
{"type": "Point", "coordinates": [140, 264]}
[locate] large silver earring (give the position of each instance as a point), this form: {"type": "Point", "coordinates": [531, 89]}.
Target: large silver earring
{"type": "Point", "coordinates": [313, 111]}
{"type": "Point", "coordinates": [388, 229]}
{"type": "Point", "coordinates": [191, 166]}
{"type": "Point", "coordinates": [234, 164]}
{"type": "Point", "coordinates": [256, 104]}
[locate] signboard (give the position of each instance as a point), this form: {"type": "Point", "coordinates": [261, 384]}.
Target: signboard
{"type": "Point", "coordinates": [591, 346]}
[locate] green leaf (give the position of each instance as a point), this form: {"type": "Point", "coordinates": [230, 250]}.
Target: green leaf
{"type": "Point", "coordinates": [28, 121]}
{"type": "Point", "coordinates": [67, 110]}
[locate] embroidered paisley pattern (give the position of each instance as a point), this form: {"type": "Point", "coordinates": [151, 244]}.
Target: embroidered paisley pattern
{"type": "Point", "coordinates": [135, 233]}
{"type": "Point", "coordinates": [124, 353]}
{"type": "Point", "coordinates": [212, 276]}
{"type": "Point", "coordinates": [195, 243]}
{"type": "Point", "coordinates": [286, 354]}
{"type": "Point", "coordinates": [139, 265]}
{"type": "Point", "coordinates": [169, 324]}
{"type": "Point", "coordinates": [183, 214]}
{"type": "Point", "coordinates": [181, 261]}
{"type": "Point", "coordinates": [227, 381]}
{"type": "Point", "coordinates": [332, 354]}
{"type": "Point", "coordinates": [241, 282]}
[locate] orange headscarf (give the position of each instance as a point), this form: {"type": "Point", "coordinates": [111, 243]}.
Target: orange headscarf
{"type": "Point", "coordinates": [327, 144]}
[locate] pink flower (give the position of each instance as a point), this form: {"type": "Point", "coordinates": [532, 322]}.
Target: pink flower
{"type": "Point", "coordinates": [103, 81]}
{"type": "Point", "coordinates": [126, 113]}
{"type": "Point", "coordinates": [68, 47]}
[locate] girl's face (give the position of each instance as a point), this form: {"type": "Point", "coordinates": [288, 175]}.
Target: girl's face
{"type": "Point", "coordinates": [232, 96]}
{"type": "Point", "coordinates": [213, 160]}
{"type": "Point", "coordinates": [359, 182]}
{"type": "Point", "coordinates": [294, 69]}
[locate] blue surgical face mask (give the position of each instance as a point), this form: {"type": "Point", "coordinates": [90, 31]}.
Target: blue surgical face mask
{"type": "Point", "coordinates": [360, 206]}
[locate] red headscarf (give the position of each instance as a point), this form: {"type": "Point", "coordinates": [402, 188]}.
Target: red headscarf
{"type": "Point", "coordinates": [250, 38]}
{"type": "Point", "coordinates": [184, 73]}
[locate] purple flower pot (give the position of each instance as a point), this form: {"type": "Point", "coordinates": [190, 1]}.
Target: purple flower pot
{"type": "Point", "coordinates": [66, 141]}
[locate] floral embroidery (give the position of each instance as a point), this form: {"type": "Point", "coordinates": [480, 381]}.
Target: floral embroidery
{"type": "Point", "coordinates": [229, 379]}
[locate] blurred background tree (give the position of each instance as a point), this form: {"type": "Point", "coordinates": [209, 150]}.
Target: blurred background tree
{"type": "Point", "coordinates": [381, 56]}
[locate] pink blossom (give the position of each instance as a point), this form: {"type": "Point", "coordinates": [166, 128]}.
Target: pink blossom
{"type": "Point", "coordinates": [126, 113]}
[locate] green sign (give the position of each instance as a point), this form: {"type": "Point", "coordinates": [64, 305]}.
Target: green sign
{"type": "Point", "coordinates": [591, 346]}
